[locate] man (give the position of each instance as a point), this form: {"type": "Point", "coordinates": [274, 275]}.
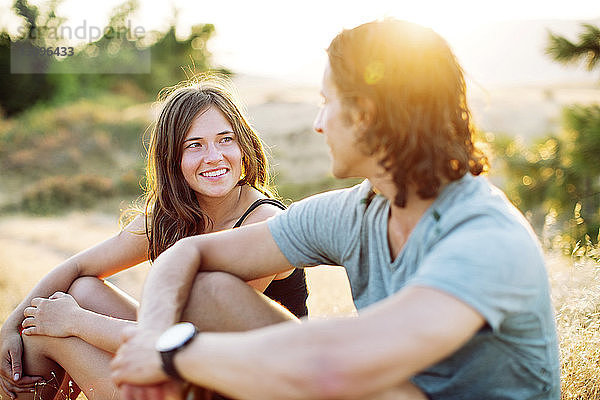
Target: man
{"type": "Point", "coordinates": [448, 278]}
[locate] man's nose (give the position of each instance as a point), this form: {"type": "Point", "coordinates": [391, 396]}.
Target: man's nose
{"type": "Point", "coordinates": [318, 123]}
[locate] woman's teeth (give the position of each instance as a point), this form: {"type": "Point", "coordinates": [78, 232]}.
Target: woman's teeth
{"type": "Point", "coordinates": [212, 174]}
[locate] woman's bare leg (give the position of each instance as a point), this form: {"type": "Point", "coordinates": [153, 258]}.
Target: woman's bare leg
{"type": "Point", "coordinates": [218, 302]}
{"type": "Point", "coordinates": [221, 302]}
{"type": "Point", "coordinates": [103, 298]}
{"type": "Point", "coordinates": [87, 365]}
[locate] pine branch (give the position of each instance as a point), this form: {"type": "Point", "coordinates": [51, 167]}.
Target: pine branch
{"type": "Point", "coordinates": [587, 48]}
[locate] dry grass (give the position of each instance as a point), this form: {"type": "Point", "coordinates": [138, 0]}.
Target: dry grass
{"type": "Point", "coordinates": [576, 295]}
{"type": "Point", "coordinates": [30, 246]}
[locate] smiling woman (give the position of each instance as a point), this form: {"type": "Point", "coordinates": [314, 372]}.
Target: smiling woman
{"type": "Point", "coordinates": [207, 171]}
{"type": "Point", "coordinates": [212, 159]}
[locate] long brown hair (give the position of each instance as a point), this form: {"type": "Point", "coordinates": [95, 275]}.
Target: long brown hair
{"type": "Point", "coordinates": [422, 124]}
{"type": "Point", "coordinates": [172, 210]}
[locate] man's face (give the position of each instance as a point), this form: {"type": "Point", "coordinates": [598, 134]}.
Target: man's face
{"type": "Point", "coordinates": [340, 133]}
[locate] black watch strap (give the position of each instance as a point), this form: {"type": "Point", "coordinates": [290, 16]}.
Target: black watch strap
{"type": "Point", "coordinates": [170, 342]}
{"type": "Point", "coordinates": [168, 364]}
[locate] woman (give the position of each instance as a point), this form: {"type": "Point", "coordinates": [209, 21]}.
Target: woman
{"type": "Point", "coordinates": [206, 172]}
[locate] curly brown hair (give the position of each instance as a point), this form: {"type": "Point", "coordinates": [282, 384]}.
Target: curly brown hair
{"type": "Point", "coordinates": [422, 124]}
{"type": "Point", "coordinates": [172, 210]}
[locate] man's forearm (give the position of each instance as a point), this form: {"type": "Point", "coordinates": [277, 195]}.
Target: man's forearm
{"type": "Point", "coordinates": [233, 363]}
{"type": "Point", "coordinates": [343, 358]}
{"type": "Point", "coordinates": [314, 360]}
{"type": "Point", "coordinates": [168, 285]}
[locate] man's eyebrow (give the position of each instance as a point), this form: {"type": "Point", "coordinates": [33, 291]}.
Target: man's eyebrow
{"type": "Point", "coordinates": [199, 137]}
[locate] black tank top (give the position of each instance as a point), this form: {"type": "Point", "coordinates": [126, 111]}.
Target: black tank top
{"type": "Point", "coordinates": [290, 292]}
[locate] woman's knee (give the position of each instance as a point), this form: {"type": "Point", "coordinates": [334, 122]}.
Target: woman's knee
{"type": "Point", "coordinates": [216, 285]}
{"type": "Point", "coordinates": [211, 295]}
{"type": "Point", "coordinates": [83, 287]}
{"type": "Point", "coordinates": [96, 295]}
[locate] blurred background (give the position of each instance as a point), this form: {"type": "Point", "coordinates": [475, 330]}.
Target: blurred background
{"type": "Point", "coordinates": [73, 127]}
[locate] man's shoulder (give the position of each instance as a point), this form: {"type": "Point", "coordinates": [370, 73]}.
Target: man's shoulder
{"type": "Point", "coordinates": [339, 199]}
{"type": "Point", "coordinates": [476, 197]}
{"type": "Point", "coordinates": [475, 208]}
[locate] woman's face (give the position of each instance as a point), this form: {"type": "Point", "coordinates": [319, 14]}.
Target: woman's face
{"type": "Point", "coordinates": [212, 159]}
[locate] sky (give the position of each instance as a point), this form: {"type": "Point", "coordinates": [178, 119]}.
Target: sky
{"type": "Point", "coordinates": [286, 39]}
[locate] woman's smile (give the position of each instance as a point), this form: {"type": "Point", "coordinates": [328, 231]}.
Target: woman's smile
{"type": "Point", "coordinates": [214, 174]}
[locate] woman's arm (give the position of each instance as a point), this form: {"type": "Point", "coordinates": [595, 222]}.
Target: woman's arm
{"type": "Point", "coordinates": [123, 250]}
{"type": "Point", "coordinates": [61, 316]}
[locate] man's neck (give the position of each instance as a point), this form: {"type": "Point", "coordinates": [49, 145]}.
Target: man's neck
{"type": "Point", "coordinates": [402, 220]}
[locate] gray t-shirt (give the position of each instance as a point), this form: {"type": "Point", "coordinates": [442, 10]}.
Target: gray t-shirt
{"type": "Point", "coordinates": [471, 243]}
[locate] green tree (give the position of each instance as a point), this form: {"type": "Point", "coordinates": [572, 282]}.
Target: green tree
{"type": "Point", "coordinates": [172, 59]}
{"type": "Point", "coordinates": [587, 48]}
{"type": "Point", "coordinates": [31, 87]}
{"type": "Point", "coordinates": [559, 176]}
{"type": "Point", "coordinates": [582, 125]}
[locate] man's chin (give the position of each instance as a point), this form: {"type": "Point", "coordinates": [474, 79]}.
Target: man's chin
{"type": "Point", "coordinates": [338, 174]}
{"type": "Point", "coordinates": [342, 173]}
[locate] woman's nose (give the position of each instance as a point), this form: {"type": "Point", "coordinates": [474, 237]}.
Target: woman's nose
{"type": "Point", "coordinates": [213, 154]}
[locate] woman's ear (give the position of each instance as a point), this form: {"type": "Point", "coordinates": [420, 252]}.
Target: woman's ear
{"type": "Point", "coordinates": [363, 114]}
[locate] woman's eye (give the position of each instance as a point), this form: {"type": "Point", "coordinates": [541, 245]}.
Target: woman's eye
{"type": "Point", "coordinates": [194, 145]}
{"type": "Point", "coordinates": [226, 139]}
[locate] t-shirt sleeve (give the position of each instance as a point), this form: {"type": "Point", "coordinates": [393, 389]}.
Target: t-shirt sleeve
{"type": "Point", "coordinates": [316, 230]}
{"type": "Point", "coordinates": [495, 280]}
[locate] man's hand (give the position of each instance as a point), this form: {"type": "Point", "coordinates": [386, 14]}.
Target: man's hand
{"type": "Point", "coordinates": [137, 362]}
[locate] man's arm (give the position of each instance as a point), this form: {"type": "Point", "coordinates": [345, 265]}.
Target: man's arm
{"type": "Point", "coordinates": [356, 357]}
{"type": "Point", "coordinates": [345, 358]}
{"type": "Point", "coordinates": [248, 252]}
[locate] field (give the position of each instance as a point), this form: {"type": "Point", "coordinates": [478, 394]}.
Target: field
{"type": "Point", "coordinates": [99, 145]}
{"type": "Point", "coordinates": [30, 246]}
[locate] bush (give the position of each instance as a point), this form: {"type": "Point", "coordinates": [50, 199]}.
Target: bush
{"type": "Point", "coordinates": [70, 139]}
{"type": "Point", "coordinates": [59, 193]}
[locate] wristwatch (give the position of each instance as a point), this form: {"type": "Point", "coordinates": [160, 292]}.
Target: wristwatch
{"type": "Point", "coordinates": [171, 341]}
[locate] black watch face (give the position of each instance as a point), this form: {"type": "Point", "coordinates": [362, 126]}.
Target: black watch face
{"type": "Point", "coordinates": [175, 336]}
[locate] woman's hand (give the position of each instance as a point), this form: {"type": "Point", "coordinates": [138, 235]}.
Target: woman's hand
{"type": "Point", "coordinates": [55, 316]}
{"type": "Point", "coordinates": [12, 380]}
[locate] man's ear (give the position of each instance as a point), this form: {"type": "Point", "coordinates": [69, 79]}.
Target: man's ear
{"type": "Point", "coordinates": [363, 113]}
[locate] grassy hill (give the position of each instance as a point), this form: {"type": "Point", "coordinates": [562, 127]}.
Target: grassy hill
{"type": "Point", "coordinates": [91, 153]}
